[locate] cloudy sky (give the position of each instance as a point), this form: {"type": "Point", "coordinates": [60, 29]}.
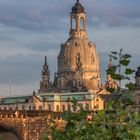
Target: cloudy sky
{"type": "Point", "coordinates": [31, 29]}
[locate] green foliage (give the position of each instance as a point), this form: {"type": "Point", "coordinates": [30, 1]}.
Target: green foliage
{"type": "Point", "coordinates": [118, 122]}
{"type": "Point", "coordinates": [129, 71]}
{"type": "Point", "coordinates": [124, 62]}
{"type": "Point", "coordinates": [120, 71]}
{"type": "Point", "coordinates": [44, 137]}
{"type": "Point", "coordinates": [130, 85]}
{"type": "Point", "coordinates": [112, 70]}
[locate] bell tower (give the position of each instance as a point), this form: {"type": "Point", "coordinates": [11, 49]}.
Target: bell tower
{"type": "Point", "coordinates": [45, 82]}
{"type": "Point", "coordinates": [78, 21]}
{"type": "Point", "coordinates": [111, 83]}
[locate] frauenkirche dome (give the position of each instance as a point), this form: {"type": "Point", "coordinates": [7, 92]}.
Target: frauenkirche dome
{"type": "Point", "coordinates": [78, 62]}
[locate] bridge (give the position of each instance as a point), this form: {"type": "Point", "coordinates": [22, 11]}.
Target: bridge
{"type": "Point", "coordinates": [25, 125]}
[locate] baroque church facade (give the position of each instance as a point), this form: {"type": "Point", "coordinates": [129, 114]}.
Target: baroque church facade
{"type": "Point", "coordinates": [78, 61]}
{"type": "Point", "coordinates": [78, 75]}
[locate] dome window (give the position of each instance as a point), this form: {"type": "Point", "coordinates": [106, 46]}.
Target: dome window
{"type": "Point", "coordinates": [74, 23]}
{"type": "Point", "coordinates": [82, 23]}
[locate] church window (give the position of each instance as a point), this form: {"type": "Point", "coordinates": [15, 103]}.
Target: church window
{"type": "Point", "coordinates": [82, 23]}
{"type": "Point", "coordinates": [74, 23]}
{"type": "Point", "coordinates": [23, 107]}
{"type": "Point", "coordinates": [76, 44]}
{"type": "Point", "coordinates": [69, 107]}
{"type": "Point", "coordinates": [40, 107]}
{"type": "Point", "coordinates": [16, 107]}
{"type": "Point", "coordinates": [63, 107]}
{"type": "Point", "coordinates": [46, 85]}
{"type": "Point", "coordinates": [29, 107]}
{"type": "Point", "coordinates": [34, 108]}
{"type": "Point", "coordinates": [57, 108]}
{"type": "Point", "coordinates": [49, 107]}
{"type": "Point", "coordinates": [11, 108]}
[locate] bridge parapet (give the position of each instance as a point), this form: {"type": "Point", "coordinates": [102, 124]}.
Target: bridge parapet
{"type": "Point", "coordinates": [27, 125]}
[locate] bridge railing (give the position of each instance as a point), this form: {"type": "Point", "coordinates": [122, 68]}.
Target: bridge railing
{"type": "Point", "coordinates": [28, 113]}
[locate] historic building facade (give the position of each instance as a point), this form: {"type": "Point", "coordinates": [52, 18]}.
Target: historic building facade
{"type": "Point", "coordinates": [78, 61]}
{"type": "Point", "coordinates": [78, 74]}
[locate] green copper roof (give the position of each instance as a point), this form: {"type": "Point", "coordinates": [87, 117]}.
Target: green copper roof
{"type": "Point", "coordinates": [50, 97]}
{"type": "Point", "coordinates": [14, 100]}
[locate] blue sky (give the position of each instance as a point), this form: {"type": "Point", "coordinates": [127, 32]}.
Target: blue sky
{"type": "Point", "coordinates": [31, 29]}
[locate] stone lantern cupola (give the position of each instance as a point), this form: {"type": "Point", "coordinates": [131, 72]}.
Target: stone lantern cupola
{"type": "Point", "coordinates": [78, 21]}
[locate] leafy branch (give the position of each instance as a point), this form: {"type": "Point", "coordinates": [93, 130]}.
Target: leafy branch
{"type": "Point", "coordinates": [121, 71]}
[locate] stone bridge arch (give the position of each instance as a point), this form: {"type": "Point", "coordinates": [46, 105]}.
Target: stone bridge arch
{"type": "Point", "coordinates": [5, 128]}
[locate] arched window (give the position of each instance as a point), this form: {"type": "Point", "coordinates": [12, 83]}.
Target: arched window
{"type": "Point", "coordinates": [34, 107]}
{"type": "Point", "coordinates": [11, 108]}
{"type": "Point", "coordinates": [57, 108]}
{"type": "Point", "coordinates": [49, 107]}
{"type": "Point", "coordinates": [82, 23]}
{"type": "Point", "coordinates": [63, 107]}
{"type": "Point", "coordinates": [23, 107]}
{"type": "Point", "coordinates": [29, 107]}
{"type": "Point", "coordinates": [69, 107]}
{"type": "Point", "coordinates": [74, 23]}
{"type": "Point", "coordinates": [40, 107]}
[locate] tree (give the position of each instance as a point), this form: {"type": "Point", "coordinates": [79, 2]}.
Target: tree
{"type": "Point", "coordinates": [121, 71]}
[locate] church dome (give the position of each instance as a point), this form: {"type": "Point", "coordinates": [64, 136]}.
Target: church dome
{"type": "Point", "coordinates": [78, 62]}
{"type": "Point", "coordinates": [85, 49]}
{"type": "Point", "coordinates": [77, 8]}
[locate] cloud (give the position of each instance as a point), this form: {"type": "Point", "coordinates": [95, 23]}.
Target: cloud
{"type": "Point", "coordinates": [114, 13]}
{"type": "Point", "coordinates": [44, 14]}
{"type": "Point", "coordinates": [32, 14]}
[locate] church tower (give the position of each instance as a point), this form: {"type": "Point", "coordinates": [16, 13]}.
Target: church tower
{"type": "Point", "coordinates": [111, 83]}
{"type": "Point", "coordinates": [78, 62]}
{"type": "Point", "coordinates": [45, 82]}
